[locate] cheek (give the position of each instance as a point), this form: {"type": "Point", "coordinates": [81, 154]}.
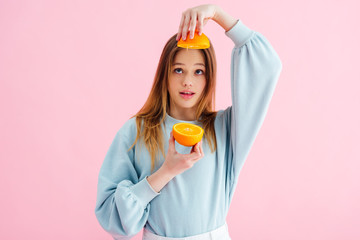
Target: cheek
{"type": "Point", "coordinates": [202, 84]}
{"type": "Point", "coordinates": [171, 87]}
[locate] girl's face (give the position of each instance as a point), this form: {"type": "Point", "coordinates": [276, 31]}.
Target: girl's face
{"type": "Point", "coordinates": [186, 82]}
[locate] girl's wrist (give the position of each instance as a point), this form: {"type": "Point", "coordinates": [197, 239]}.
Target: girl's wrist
{"type": "Point", "coordinates": [166, 172]}
{"type": "Point", "coordinates": [159, 179]}
{"type": "Point", "coordinates": [225, 20]}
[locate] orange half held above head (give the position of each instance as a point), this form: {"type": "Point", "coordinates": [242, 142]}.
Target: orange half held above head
{"type": "Point", "coordinates": [198, 42]}
{"type": "Point", "coordinates": [187, 134]}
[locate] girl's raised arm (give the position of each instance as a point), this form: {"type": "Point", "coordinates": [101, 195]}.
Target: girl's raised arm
{"type": "Point", "coordinates": [255, 69]}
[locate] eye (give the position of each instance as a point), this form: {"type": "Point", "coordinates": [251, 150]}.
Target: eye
{"type": "Point", "coordinates": [178, 70]}
{"type": "Point", "coordinates": [199, 72]}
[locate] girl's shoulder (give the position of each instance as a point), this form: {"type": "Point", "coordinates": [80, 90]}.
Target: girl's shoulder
{"type": "Point", "coordinates": [128, 129]}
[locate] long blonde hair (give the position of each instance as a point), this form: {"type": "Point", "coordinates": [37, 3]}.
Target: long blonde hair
{"type": "Point", "coordinates": [153, 113]}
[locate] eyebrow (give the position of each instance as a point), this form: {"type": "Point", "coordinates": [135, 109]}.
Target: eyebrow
{"type": "Point", "coordinates": [201, 64]}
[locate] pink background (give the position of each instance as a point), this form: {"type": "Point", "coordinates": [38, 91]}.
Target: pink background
{"type": "Point", "coordinates": [72, 72]}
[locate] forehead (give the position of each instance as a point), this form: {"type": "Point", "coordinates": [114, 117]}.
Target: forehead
{"type": "Point", "coordinates": [189, 56]}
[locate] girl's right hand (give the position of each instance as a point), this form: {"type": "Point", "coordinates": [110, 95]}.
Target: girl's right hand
{"type": "Point", "coordinates": [196, 18]}
{"type": "Point", "coordinates": [176, 163]}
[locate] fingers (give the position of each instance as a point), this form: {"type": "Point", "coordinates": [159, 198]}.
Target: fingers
{"type": "Point", "coordinates": [185, 27]}
{"type": "Point", "coordinates": [192, 24]}
{"type": "Point", "coordinates": [171, 143]}
{"type": "Point", "coordinates": [201, 149]}
{"type": "Point", "coordinates": [189, 22]}
{"type": "Point", "coordinates": [180, 27]}
{"type": "Point", "coordinates": [200, 23]}
{"type": "Point", "coordinates": [196, 18]}
{"type": "Point", "coordinates": [196, 152]}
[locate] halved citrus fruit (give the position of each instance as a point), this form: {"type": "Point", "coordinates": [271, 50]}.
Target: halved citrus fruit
{"type": "Point", "coordinates": [198, 42]}
{"type": "Point", "coordinates": [187, 134]}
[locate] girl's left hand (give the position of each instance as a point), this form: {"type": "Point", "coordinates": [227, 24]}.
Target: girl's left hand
{"type": "Point", "coordinates": [196, 18]}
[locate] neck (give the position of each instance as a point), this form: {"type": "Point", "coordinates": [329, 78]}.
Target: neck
{"type": "Point", "coordinates": [183, 114]}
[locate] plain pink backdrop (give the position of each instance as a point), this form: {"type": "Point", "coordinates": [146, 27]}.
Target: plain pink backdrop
{"type": "Point", "coordinates": [72, 72]}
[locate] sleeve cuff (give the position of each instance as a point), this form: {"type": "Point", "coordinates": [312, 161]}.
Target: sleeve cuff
{"type": "Point", "coordinates": [143, 191]}
{"type": "Point", "coordinates": [239, 33]}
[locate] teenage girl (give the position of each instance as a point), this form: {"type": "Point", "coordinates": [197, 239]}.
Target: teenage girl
{"type": "Point", "coordinates": [147, 179]}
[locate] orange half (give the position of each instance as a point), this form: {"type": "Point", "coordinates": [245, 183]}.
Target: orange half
{"type": "Point", "coordinates": [198, 42]}
{"type": "Point", "coordinates": [187, 134]}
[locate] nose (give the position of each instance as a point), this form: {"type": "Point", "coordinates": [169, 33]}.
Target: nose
{"type": "Point", "coordinates": [187, 82]}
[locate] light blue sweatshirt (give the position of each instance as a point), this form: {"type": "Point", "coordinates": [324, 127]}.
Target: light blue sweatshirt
{"type": "Point", "coordinates": [197, 200]}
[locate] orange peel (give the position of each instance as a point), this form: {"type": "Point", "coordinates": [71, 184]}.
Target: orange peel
{"type": "Point", "coordinates": [198, 41]}
{"type": "Point", "coordinates": [187, 134]}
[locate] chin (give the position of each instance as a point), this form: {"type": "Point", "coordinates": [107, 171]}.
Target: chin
{"type": "Point", "coordinates": [187, 105]}
{"type": "Point", "coordinates": [191, 106]}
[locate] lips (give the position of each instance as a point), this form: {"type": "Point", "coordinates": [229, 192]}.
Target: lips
{"type": "Point", "coordinates": [187, 94]}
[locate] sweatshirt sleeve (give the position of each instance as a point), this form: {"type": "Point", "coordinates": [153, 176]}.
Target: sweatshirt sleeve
{"type": "Point", "coordinates": [255, 69]}
{"type": "Point", "coordinates": [123, 200]}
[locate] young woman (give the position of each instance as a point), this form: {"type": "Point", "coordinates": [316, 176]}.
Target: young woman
{"type": "Point", "coordinates": [186, 193]}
